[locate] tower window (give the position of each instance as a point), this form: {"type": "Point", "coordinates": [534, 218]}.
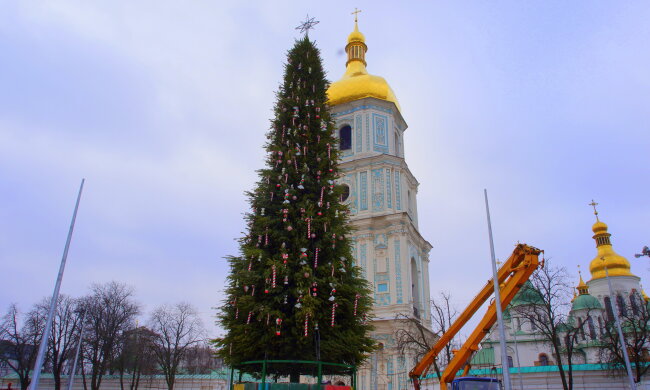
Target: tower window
{"type": "Point", "coordinates": [622, 309]}
{"type": "Point", "coordinates": [346, 193]}
{"type": "Point", "coordinates": [345, 138]}
{"type": "Point", "coordinates": [592, 330]}
{"type": "Point", "coordinates": [608, 307]}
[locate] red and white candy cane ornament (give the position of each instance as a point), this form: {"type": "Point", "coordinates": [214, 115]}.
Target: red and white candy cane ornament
{"type": "Point", "coordinates": [329, 151]}
{"type": "Point", "coordinates": [250, 314]}
{"type": "Point", "coordinates": [306, 325]}
{"type": "Point", "coordinates": [273, 278]}
{"type": "Point", "coordinates": [308, 227]}
{"type": "Point", "coordinates": [316, 258]}
{"type": "Point", "coordinates": [356, 303]}
{"type": "Point", "coordinates": [334, 312]}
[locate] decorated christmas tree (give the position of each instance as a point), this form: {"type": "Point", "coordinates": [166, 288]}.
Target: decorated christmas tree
{"type": "Point", "coordinates": [294, 292]}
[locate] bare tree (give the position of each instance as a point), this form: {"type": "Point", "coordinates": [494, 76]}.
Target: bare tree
{"type": "Point", "coordinates": [635, 321]}
{"type": "Point", "coordinates": [20, 342]}
{"type": "Point", "coordinates": [64, 333]}
{"type": "Point", "coordinates": [177, 329]}
{"type": "Point", "coordinates": [415, 339]}
{"type": "Point", "coordinates": [110, 311]}
{"type": "Point", "coordinates": [544, 303]}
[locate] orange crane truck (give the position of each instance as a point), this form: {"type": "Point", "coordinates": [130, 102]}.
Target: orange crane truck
{"type": "Point", "coordinates": [512, 275]}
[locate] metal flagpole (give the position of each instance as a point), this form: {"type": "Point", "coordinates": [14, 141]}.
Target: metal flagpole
{"type": "Point", "coordinates": [521, 379]}
{"type": "Point", "coordinates": [505, 367]}
{"type": "Point", "coordinates": [76, 353]}
{"type": "Point", "coordinates": [55, 297]}
{"type": "Point", "coordinates": [618, 329]}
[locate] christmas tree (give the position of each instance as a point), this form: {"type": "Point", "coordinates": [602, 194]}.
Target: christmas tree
{"type": "Point", "coordinates": [294, 292]}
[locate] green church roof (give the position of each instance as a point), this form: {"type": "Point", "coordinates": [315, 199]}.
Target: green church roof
{"type": "Point", "coordinates": [483, 356]}
{"type": "Point", "coordinates": [586, 301]}
{"type": "Point", "coordinates": [528, 295]}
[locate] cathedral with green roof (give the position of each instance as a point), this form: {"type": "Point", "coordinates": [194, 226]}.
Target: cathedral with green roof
{"type": "Point", "coordinates": [592, 307]}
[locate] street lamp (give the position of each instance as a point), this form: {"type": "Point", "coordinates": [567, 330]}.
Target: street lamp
{"type": "Point", "coordinates": [618, 328]}
{"type": "Point", "coordinates": [644, 252]}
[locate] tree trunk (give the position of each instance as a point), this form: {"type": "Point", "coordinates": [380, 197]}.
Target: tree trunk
{"type": "Point", "coordinates": [24, 382]}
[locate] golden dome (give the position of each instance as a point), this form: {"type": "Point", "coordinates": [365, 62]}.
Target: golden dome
{"type": "Point", "coordinates": [356, 83]}
{"type": "Point", "coordinates": [356, 35]}
{"type": "Point", "coordinates": [599, 227]}
{"type": "Point", "coordinates": [616, 264]}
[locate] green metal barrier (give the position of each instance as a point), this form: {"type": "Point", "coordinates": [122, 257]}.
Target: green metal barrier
{"type": "Point", "coordinates": [352, 371]}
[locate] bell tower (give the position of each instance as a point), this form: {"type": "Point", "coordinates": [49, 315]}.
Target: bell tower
{"type": "Point", "coordinates": [381, 194]}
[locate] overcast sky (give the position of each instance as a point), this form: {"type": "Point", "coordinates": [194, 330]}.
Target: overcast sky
{"type": "Point", "coordinates": [163, 108]}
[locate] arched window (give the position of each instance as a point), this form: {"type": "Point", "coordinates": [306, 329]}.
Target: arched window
{"type": "Point", "coordinates": [608, 307]}
{"type": "Point", "coordinates": [415, 288]}
{"type": "Point", "coordinates": [592, 330]}
{"type": "Point", "coordinates": [543, 359]}
{"type": "Point", "coordinates": [634, 302]}
{"type": "Point", "coordinates": [346, 193]}
{"type": "Point", "coordinates": [510, 362]}
{"type": "Point", "coordinates": [620, 302]}
{"type": "Point", "coordinates": [396, 145]}
{"type": "Point", "coordinates": [600, 326]}
{"type": "Point", "coordinates": [408, 199]}
{"type": "Point", "coordinates": [345, 138]}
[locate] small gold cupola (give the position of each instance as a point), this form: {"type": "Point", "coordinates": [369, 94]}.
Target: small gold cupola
{"type": "Point", "coordinates": [616, 264]}
{"type": "Point", "coordinates": [582, 286]}
{"type": "Point", "coordinates": [356, 47]}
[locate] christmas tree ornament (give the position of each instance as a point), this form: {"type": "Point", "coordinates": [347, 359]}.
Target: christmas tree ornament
{"type": "Point", "coordinates": [253, 292]}
{"type": "Point", "coordinates": [334, 306]}
{"type": "Point", "coordinates": [273, 277]}
{"type": "Point", "coordinates": [308, 227]}
{"type": "Point", "coordinates": [306, 325]}
{"type": "Point", "coordinates": [237, 313]}
{"type": "Point", "coordinates": [314, 289]}
{"type": "Point", "coordinates": [278, 326]}
{"type": "Point", "coordinates": [316, 257]}
{"type": "Point", "coordinates": [356, 303]}
{"type": "Point", "coordinates": [248, 320]}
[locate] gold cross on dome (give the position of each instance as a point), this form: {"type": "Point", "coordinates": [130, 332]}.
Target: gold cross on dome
{"type": "Point", "coordinates": [594, 204]}
{"type": "Point", "coordinates": [356, 11]}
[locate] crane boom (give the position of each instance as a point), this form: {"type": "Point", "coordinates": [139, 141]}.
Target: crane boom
{"type": "Point", "coordinates": [512, 275]}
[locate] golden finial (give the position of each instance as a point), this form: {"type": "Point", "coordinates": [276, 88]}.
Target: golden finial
{"type": "Point", "coordinates": [582, 286]}
{"type": "Point", "coordinates": [594, 204]}
{"type": "Point", "coordinates": [356, 11]}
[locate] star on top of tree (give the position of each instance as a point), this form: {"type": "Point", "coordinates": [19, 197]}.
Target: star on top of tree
{"type": "Point", "coordinates": [307, 25]}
